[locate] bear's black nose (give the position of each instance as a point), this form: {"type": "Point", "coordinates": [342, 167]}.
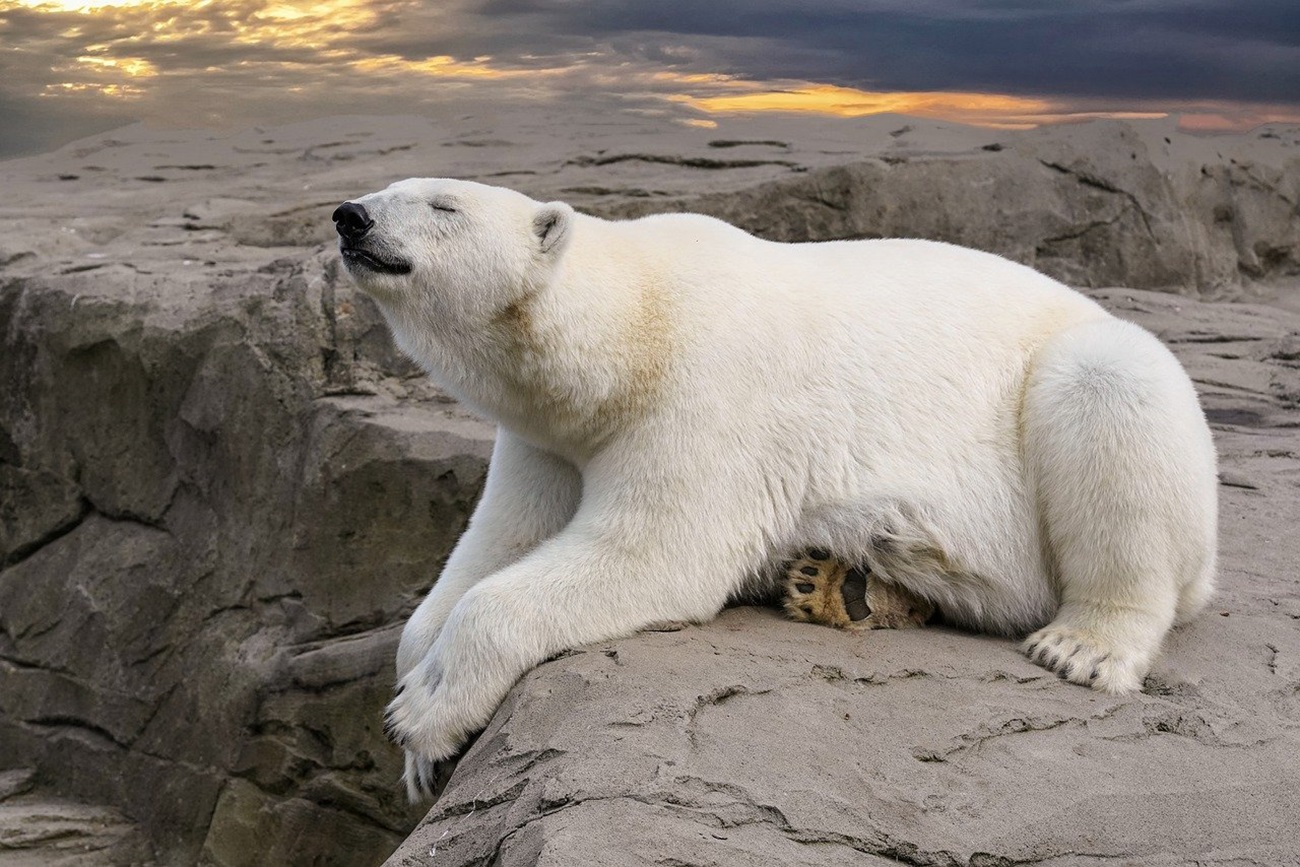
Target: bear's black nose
{"type": "Point", "coordinates": [352, 221]}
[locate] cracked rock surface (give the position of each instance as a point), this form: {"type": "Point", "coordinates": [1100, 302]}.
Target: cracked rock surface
{"type": "Point", "coordinates": [222, 491]}
{"type": "Point", "coordinates": [45, 831]}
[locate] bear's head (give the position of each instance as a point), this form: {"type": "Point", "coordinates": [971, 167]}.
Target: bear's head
{"type": "Point", "coordinates": [452, 252]}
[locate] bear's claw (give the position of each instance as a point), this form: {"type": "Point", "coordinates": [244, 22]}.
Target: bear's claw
{"type": "Point", "coordinates": [392, 732]}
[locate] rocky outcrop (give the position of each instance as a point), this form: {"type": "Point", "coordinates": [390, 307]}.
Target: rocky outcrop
{"type": "Point", "coordinates": [222, 491]}
{"type": "Point", "coordinates": [38, 831]}
{"type": "Point", "coordinates": [221, 499]}
{"type": "Point", "coordinates": [1108, 208]}
{"type": "Point", "coordinates": [755, 740]}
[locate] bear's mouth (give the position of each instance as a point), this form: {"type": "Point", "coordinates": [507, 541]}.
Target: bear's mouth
{"type": "Point", "coordinates": [355, 257]}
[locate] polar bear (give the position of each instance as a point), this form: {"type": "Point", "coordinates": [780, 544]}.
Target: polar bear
{"type": "Point", "coordinates": [681, 405]}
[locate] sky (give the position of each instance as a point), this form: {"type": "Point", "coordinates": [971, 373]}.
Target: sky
{"type": "Point", "coordinates": [76, 67]}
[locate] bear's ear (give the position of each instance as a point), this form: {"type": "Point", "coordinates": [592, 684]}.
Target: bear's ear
{"type": "Point", "coordinates": [551, 225]}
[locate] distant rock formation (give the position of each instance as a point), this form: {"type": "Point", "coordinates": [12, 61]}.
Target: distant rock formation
{"type": "Point", "coordinates": [1099, 209]}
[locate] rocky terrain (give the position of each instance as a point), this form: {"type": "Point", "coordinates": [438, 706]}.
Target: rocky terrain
{"type": "Point", "coordinates": [222, 491]}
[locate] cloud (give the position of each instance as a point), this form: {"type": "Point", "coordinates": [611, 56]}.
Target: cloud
{"type": "Point", "coordinates": [1149, 49]}
{"type": "Point", "coordinates": [79, 63]}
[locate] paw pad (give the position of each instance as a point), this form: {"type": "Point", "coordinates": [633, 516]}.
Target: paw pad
{"type": "Point", "coordinates": [824, 589]}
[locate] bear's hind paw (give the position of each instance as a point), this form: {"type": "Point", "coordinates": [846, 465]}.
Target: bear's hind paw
{"type": "Point", "coordinates": [1080, 656]}
{"type": "Point", "coordinates": [823, 589]}
{"type": "Point", "coordinates": [813, 590]}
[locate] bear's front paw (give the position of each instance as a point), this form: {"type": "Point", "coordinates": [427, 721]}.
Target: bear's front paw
{"type": "Point", "coordinates": [419, 718]}
{"type": "Point", "coordinates": [823, 589]}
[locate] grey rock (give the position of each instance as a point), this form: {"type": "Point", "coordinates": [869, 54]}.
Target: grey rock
{"type": "Point", "coordinates": [221, 512]}
{"type": "Point", "coordinates": [38, 831]}
{"type": "Point", "coordinates": [1100, 212]}
{"type": "Point", "coordinates": [16, 782]}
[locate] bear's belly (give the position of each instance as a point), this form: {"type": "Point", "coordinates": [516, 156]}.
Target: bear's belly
{"type": "Point", "coordinates": [940, 497]}
{"type": "Point", "coordinates": [974, 548]}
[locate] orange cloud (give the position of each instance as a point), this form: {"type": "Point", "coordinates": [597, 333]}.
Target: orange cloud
{"type": "Point", "coordinates": [446, 67]}
{"type": "Point", "coordinates": [983, 109]}
{"type": "Point", "coordinates": [808, 97]}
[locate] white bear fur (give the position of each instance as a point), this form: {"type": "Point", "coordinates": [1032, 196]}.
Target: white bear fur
{"type": "Point", "coordinates": [682, 405]}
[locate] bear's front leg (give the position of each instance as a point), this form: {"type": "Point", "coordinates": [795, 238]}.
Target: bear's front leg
{"type": "Point", "coordinates": [530, 495]}
{"type": "Point", "coordinates": [597, 580]}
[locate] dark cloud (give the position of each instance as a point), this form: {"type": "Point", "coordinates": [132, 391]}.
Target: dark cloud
{"type": "Point", "coordinates": [1146, 49]}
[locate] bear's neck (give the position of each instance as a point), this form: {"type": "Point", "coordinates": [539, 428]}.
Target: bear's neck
{"type": "Point", "coordinates": [568, 365]}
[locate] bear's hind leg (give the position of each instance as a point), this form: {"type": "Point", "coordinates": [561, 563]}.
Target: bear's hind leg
{"type": "Point", "coordinates": [1125, 471]}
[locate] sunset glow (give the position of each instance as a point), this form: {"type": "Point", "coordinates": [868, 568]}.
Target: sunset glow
{"type": "Point", "coordinates": [826, 99]}
{"type": "Point", "coordinates": [92, 5]}
{"type": "Point", "coordinates": [446, 67]}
